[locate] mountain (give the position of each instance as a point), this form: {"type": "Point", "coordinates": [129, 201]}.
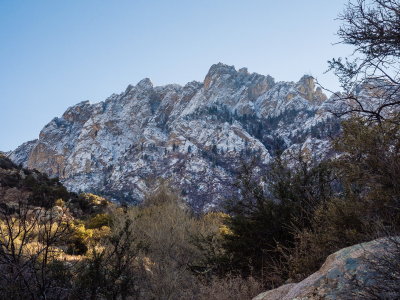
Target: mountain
{"type": "Point", "coordinates": [196, 135]}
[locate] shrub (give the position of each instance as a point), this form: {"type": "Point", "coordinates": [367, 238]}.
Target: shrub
{"type": "Point", "coordinates": [99, 221]}
{"type": "Point", "coordinates": [79, 239]}
{"type": "Point", "coordinates": [91, 203]}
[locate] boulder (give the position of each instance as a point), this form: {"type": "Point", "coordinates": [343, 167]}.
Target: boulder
{"type": "Point", "coordinates": [346, 274]}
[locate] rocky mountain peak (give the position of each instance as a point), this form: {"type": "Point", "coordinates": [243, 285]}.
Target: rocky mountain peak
{"type": "Point", "coordinates": [306, 86]}
{"type": "Point", "coordinates": [244, 71]}
{"type": "Point", "coordinates": [145, 84]}
{"type": "Point", "coordinates": [217, 72]}
{"type": "Point", "coordinates": [222, 77]}
{"type": "Point", "coordinates": [78, 112]}
{"type": "Point", "coordinates": [220, 69]}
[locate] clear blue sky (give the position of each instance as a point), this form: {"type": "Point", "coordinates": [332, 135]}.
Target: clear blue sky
{"type": "Point", "coordinates": [54, 54]}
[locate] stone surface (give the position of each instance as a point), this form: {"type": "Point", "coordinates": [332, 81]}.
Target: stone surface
{"type": "Point", "coordinates": [334, 280]}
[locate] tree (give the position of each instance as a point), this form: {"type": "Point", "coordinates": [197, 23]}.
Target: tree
{"type": "Point", "coordinates": [369, 168]}
{"type": "Point", "coordinates": [257, 224]}
{"type": "Point", "coordinates": [264, 219]}
{"type": "Point", "coordinates": [373, 28]}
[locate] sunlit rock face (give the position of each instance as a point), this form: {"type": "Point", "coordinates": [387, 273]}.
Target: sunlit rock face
{"type": "Point", "coordinates": [196, 135]}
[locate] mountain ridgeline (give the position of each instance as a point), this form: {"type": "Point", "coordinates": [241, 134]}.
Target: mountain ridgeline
{"type": "Point", "coordinates": [197, 135]}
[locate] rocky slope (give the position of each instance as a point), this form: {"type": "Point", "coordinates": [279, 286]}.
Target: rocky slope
{"type": "Point", "coordinates": [197, 135]}
{"type": "Point", "coordinates": [29, 186]}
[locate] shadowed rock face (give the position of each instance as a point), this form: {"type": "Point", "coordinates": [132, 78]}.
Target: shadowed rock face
{"type": "Point", "coordinates": [346, 274]}
{"type": "Point", "coordinates": [197, 135]}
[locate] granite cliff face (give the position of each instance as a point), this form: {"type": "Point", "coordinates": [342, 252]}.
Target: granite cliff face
{"type": "Point", "coordinates": [196, 135]}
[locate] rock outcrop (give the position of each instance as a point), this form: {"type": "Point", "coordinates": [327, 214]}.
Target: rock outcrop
{"type": "Point", "coordinates": [197, 135]}
{"type": "Point", "coordinates": [351, 273]}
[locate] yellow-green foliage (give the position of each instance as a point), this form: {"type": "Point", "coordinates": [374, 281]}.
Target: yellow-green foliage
{"type": "Point", "coordinates": [81, 232]}
{"type": "Point", "coordinates": [100, 233]}
{"type": "Point", "coordinates": [91, 203]}
{"type": "Point", "coordinates": [216, 222]}
{"type": "Point", "coordinates": [79, 239]}
{"type": "Point", "coordinates": [82, 235]}
{"type": "Point", "coordinates": [99, 221]}
{"type": "Point", "coordinates": [93, 199]}
{"type": "Point", "coordinates": [59, 202]}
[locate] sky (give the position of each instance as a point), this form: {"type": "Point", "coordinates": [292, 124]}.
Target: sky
{"type": "Point", "coordinates": [54, 54]}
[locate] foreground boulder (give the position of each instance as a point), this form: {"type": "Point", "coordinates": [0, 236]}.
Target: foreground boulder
{"type": "Point", "coordinates": [362, 271]}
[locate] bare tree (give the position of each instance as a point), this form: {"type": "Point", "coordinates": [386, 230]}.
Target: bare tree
{"type": "Point", "coordinates": [29, 255]}
{"type": "Point", "coordinates": [370, 77]}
